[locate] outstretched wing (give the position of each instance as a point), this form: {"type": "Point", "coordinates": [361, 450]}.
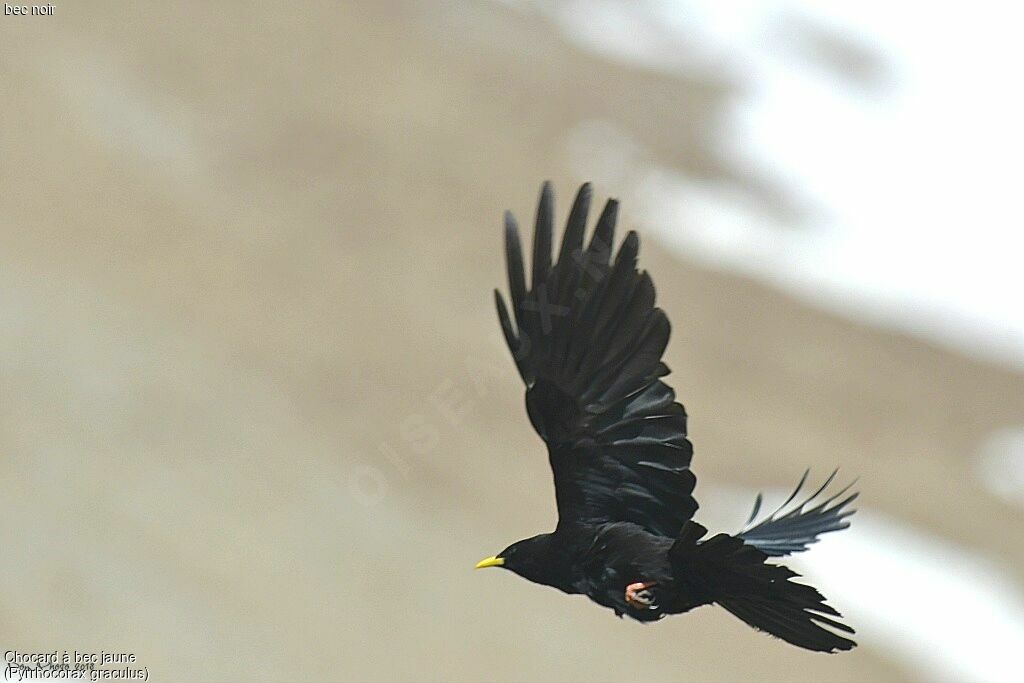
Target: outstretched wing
{"type": "Point", "coordinates": [587, 340]}
{"type": "Point", "coordinates": [780, 534]}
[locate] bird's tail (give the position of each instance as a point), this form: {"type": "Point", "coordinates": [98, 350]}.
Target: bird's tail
{"type": "Point", "coordinates": [725, 570]}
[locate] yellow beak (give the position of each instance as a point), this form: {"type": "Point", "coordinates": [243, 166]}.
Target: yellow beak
{"type": "Point", "coordinates": [490, 562]}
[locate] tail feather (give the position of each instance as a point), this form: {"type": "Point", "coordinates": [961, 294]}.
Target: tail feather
{"type": "Point", "coordinates": [790, 624]}
{"type": "Point", "coordinates": [780, 534]}
{"type": "Point", "coordinates": [726, 570]}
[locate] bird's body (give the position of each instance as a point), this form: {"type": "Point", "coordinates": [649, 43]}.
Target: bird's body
{"type": "Point", "coordinates": [621, 553]}
{"type": "Point", "coordinates": [587, 341]}
{"type": "Point", "coordinates": [594, 560]}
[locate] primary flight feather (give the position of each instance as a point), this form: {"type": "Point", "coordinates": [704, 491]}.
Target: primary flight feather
{"type": "Point", "coordinates": [587, 340]}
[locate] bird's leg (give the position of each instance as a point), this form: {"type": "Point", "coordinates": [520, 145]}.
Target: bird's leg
{"type": "Point", "coordinates": [639, 597]}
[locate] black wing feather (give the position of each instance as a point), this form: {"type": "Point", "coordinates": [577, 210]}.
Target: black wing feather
{"type": "Point", "coordinates": [514, 264]}
{"type": "Point", "coordinates": [588, 342]}
{"type": "Point", "coordinates": [781, 534]}
{"type": "Point", "coordinates": [542, 236]}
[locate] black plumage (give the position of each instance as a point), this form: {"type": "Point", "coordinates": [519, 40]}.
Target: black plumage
{"type": "Point", "coordinates": [587, 340]}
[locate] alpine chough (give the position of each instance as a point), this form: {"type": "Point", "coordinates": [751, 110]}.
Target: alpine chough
{"type": "Point", "coordinates": [587, 339]}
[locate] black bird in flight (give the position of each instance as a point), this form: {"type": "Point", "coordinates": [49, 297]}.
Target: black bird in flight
{"type": "Point", "coordinates": [587, 340]}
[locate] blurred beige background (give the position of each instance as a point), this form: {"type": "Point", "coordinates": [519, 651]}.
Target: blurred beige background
{"type": "Point", "coordinates": [257, 422]}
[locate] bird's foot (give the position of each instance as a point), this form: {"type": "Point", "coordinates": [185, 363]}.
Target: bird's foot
{"type": "Point", "coordinates": [638, 595]}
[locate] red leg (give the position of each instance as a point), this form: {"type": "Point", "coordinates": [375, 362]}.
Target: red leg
{"type": "Point", "coordinates": [638, 597]}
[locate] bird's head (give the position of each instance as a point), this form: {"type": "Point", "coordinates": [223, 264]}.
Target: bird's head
{"type": "Point", "coordinates": [529, 558]}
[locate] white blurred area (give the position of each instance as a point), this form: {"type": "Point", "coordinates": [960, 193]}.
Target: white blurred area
{"type": "Point", "coordinates": [895, 128]}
